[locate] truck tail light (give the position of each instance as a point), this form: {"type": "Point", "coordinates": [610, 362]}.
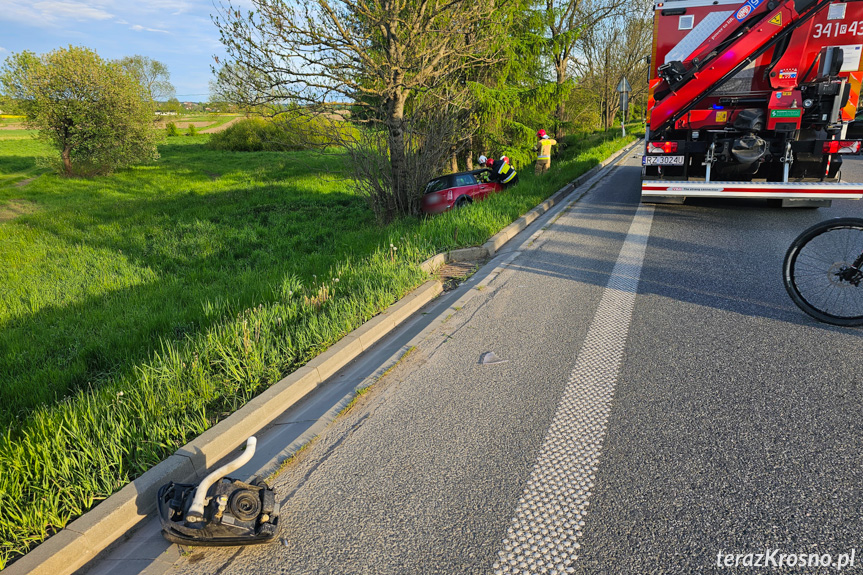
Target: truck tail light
{"type": "Point", "coordinates": [665, 147]}
{"type": "Point", "coordinates": [842, 147]}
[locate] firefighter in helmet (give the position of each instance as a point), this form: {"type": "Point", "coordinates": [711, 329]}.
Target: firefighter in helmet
{"type": "Point", "coordinates": [502, 172]}
{"type": "Point", "coordinates": [543, 158]}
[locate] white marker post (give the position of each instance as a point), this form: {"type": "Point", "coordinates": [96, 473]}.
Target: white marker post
{"type": "Point", "coordinates": [624, 88]}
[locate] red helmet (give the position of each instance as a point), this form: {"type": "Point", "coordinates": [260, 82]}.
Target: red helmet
{"type": "Point", "coordinates": [489, 162]}
{"type": "Point", "coordinates": [541, 133]}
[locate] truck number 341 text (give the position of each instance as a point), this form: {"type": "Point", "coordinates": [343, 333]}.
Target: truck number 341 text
{"type": "Point", "coordinates": [834, 29]}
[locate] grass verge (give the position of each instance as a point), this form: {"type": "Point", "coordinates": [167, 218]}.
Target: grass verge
{"type": "Point", "coordinates": [140, 309]}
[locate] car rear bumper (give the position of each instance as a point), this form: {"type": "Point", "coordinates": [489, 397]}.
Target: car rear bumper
{"type": "Point", "coordinates": [436, 208]}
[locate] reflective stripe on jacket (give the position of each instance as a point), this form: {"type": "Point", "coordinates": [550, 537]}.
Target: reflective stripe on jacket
{"type": "Point", "coordinates": [507, 173]}
{"type": "Point", "coordinates": [545, 148]}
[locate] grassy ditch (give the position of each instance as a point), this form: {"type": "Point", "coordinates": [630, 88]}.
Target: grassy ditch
{"type": "Point", "coordinates": [139, 309]}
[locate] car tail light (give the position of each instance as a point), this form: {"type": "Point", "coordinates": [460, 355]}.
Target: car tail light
{"type": "Point", "coordinates": [842, 147]}
{"type": "Point", "coordinates": [662, 147]}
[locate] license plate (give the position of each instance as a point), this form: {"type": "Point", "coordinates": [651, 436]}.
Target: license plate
{"type": "Point", "coordinates": [662, 160]}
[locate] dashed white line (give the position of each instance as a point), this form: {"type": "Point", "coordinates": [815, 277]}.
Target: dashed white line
{"type": "Point", "coordinates": [543, 536]}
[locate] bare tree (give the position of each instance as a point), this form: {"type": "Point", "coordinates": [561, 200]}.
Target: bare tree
{"type": "Point", "coordinates": [600, 63]}
{"type": "Point", "coordinates": [566, 21]}
{"type": "Point", "coordinates": [377, 54]}
{"type": "Point", "coordinates": [238, 85]}
{"type": "Point", "coordinates": [434, 132]}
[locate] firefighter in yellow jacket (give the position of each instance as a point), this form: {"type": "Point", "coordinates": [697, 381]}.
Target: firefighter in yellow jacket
{"type": "Point", "coordinates": [543, 159]}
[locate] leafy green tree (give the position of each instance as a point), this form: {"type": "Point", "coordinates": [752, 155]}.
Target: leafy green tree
{"type": "Point", "coordinates": [152, 75]}
{"type": "Point", "coordinates": [9, 106]}
{"type": "Point", "coordinates": [172, 105]}
{"type": "Point", "coordinates": [516, 98]}
{"type": "Point", "coordinates": [93, 112]}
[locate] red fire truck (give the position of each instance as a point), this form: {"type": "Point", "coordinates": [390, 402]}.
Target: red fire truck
{"type": "Point", "coordinates": [753, 99]}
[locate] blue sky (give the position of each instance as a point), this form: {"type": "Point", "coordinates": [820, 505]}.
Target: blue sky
{"type": "Point", "coordinates": [178, 33]}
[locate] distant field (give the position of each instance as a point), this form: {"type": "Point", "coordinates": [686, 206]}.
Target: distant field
{"type": "Point", "coordinates": [206, 123]}
{"type": "Point", "coordinates": [138, 309]}
{"type": "Point", "coordinates": [221, 126]}
{"type": "Point", "coordinates": [16, 134]}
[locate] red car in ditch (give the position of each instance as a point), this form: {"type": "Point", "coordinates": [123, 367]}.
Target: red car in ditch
{"type": "Point", "coordinates": [457, 190]}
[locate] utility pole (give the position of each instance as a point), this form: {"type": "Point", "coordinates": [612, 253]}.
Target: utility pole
{"type": "Point", "coordinates": [624, 88]}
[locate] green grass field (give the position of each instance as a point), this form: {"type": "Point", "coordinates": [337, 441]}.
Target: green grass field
{"type": "Point", "coordinates": [139, 309]}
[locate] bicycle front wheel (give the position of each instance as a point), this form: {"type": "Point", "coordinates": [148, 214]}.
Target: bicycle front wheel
{"type": "Point", "coordinates": [822, 273]}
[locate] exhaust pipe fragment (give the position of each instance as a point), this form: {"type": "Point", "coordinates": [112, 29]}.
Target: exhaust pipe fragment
{"type": "Point", "coordinates": [195, 516]}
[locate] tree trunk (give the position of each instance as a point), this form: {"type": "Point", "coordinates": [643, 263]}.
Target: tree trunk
{"type": "Point", "coordinates": [607, 93]}
{"type": "Point", "coordinates": [67, 160]}
{"type": "Point", "coordinates": [453, 160]}
{"type": "Point", "coordinates": [395, 126]}
{"type": "Point", "coordinates": [468, 160]}
{"type": "Point", "coordinates": [560, 72]}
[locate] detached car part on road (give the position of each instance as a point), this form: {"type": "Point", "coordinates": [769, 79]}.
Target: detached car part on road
{"type": "Point", "coordinates": [219, 510]}
{"type": "Point", "coordinates": [458, 190]}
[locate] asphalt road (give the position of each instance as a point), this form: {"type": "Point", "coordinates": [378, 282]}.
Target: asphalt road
{"type": "Point", "coordinates": [662, 403]}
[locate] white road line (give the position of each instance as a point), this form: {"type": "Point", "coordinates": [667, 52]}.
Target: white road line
{"type": "Point", "coordinates": [543, 537]}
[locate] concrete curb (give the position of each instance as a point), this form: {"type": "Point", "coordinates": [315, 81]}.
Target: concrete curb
{"type": "Point", "coordinates": [86, 537]}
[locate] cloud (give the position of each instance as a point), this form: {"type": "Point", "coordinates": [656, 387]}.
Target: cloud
{"type": "Point", "coordinates": [71, 10]}
{"type": "Point", "coordinates": [139, 28]}
{"type": "Point", "coordinates": [50, 12]}
{"type": "Point", "coordinates": [2, 49]}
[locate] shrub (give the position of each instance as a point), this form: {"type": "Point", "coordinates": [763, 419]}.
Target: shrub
{"type": "Point", "coordinates": [248, 135]}
{"type": "Point", "coordinates": [192, 131]}
{"type": "Point", "coordinates": [283, 133]}
{"type": "Point", "coordinates": [171, 129]}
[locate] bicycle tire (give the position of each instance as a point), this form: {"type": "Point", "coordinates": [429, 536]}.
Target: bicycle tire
{"type": "Point", "coordinates": [810, 269]}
